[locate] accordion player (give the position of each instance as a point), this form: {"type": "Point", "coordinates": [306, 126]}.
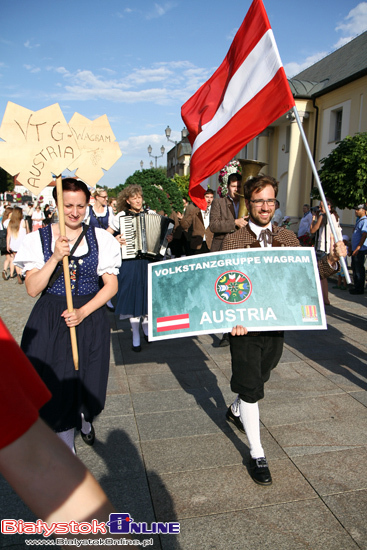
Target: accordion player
{"type": "Point", "coordinates": [145, 234]}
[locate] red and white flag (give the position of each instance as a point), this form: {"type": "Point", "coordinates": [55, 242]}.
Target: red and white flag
{"type": "Point", "coordinates": [173, 322]}
{"type": "Point", "coordinates": [246, 93]}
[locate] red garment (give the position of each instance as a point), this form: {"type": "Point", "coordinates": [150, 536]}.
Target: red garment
{"type": "Point", "coordinates": [22, 392]}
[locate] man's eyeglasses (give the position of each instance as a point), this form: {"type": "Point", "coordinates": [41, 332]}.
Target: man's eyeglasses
{"type": "Point", "coordinates": [260, 202]}
{"type": "Point", "coordinates": [103, 197]}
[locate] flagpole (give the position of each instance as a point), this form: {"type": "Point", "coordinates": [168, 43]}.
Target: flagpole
{"type": "Point", "coordinates": [321, 191]}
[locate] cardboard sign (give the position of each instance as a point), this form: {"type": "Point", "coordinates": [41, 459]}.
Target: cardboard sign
{"type": "Point", "coordinates": [260, 288]}
{"type": "Point", "coordinates": [37, 144]}
{"type": "Point", "coordinates": [40, 144]}
{"type": "Point", "coordinates": [98, 147]}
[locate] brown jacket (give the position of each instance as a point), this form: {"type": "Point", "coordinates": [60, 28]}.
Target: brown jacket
{"type": "Point", "coordinates": [245, 238]}
{"type": "Point", "coordinates": [195, 219]}
{"type": "Point", "coordinates": [222, 218]}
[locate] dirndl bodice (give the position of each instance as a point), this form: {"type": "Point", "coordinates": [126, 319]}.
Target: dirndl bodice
{"type": "Point", "coordinates": [83, 269]}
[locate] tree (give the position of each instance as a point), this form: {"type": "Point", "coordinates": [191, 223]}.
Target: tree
{"type": "Point", "coordinates": [343, 173]}
{"type": "Point", "coordinates": [6, 181]}
{"type": "Point", "coordinates": [182, 183]}
{"type": "Point", "coordinates": [160, 193]}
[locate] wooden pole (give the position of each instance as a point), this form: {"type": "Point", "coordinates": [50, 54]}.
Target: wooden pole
{"type": "Point", "coordinates": [65, 262]}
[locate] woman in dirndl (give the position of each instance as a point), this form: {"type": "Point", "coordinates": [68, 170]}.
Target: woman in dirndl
{"type": "Point", "coordinates": [77, 396]}
{"type": "Point", "coordinates": [132, 296]}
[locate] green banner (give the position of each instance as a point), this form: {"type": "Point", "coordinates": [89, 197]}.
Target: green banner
{"type": "Point", "coordinates": [259, 288]}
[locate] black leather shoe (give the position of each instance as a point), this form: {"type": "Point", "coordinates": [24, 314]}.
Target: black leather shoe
{"type": "Point", "coordinates": [146, 338]}
{"type": "Point", "coordinates": [89, 438]}
{"type": "Point", "coordinates": [235, 420]}
{"type": "Point", "coordinates": [259, 471]}
{"type": "Point", "coordinates": [355, 291]}
{"type": "Point", "coordinates": [136, 348]}
{"type": "Point", "coordinates": [224, 341]}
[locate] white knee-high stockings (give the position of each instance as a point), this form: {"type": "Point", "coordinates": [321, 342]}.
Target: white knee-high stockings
{"type": "Point", "coordinates": [250, 418]}
{"type": "Point", "coordinates": [144, 325]}
{"type": "Point", "coordinates": [135, 328]}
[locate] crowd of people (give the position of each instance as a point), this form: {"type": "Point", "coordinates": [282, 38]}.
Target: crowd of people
{"type": "Point", "coordinates": [18, 220]}
{"type": "Point", "coordinates": [93, 241]}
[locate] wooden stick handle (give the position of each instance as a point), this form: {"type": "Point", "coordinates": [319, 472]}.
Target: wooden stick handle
{"type": "Point", "coordinates": [65, 263]}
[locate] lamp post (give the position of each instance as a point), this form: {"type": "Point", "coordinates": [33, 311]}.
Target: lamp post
{"type": "Point", "coordinates": [184, 133]}
{"type": "Point", "coordinates": [155, 157]}
{"type": "Point", "coordinates": [141, 164]}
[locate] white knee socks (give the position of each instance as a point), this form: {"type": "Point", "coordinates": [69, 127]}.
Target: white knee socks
{"type": "Point", "coordinates": [144, 325]}
{"type": "Point", "coordinates": [135, 327]}
{"type": "Point", "coordinates": [250, 418]}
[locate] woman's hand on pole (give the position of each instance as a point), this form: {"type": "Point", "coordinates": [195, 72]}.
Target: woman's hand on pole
{"type": "Point", "coordinates": [73, 318]}
{"type": "Point", "coordinates": [61, 248]}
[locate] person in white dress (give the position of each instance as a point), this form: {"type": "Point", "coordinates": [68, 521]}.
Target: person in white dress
{"type": "Point", "coordinates": [37, 218]}
{"type": "Point", "coordinates": [17, 230]}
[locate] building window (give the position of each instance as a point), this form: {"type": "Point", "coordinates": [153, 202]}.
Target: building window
{"type": "Point", "coordinates": [336, 120]}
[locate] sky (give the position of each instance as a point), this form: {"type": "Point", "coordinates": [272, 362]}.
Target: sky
{"type": "Point", "coordinates": [139, 61]}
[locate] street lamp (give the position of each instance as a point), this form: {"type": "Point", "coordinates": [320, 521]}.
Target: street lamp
{"type": "Point", "coordinates": [141, 164]}
{"type": "Point", "coordinates": [155, 157]}
{"type": "Point", "coordinates": [184, 133]}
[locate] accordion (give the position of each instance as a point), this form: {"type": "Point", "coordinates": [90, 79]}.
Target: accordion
{"type": "Point", "coordinates": [145, 234]}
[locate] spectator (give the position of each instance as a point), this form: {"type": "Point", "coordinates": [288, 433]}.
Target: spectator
{"type": "Point", "coordinates": [342, 285]}
{"type": "Point", "coordinates": [37, 218]}
{"type": "Point", "coordinates": [28, 216]}
{"type": "Point", "coordinates": [359, 250]}
{"type": "Point", "coordinates": [278, 216]}
{"type": "Point", "coordinates": [47, 215]}
{"type": "Point", "coordinates": [321, 226]}
{"type": "Point", "coordinates": [17, 230]}
{"type": "Point", "coordinates": [306, 220]}
{"type": "Point", "coordinates": [4, 223]}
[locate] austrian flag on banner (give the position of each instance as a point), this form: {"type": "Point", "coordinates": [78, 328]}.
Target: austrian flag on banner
{"type": "Point", "coordinates": [173, 322]}
{"type": "Point", "coordinates": [247, 92]}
